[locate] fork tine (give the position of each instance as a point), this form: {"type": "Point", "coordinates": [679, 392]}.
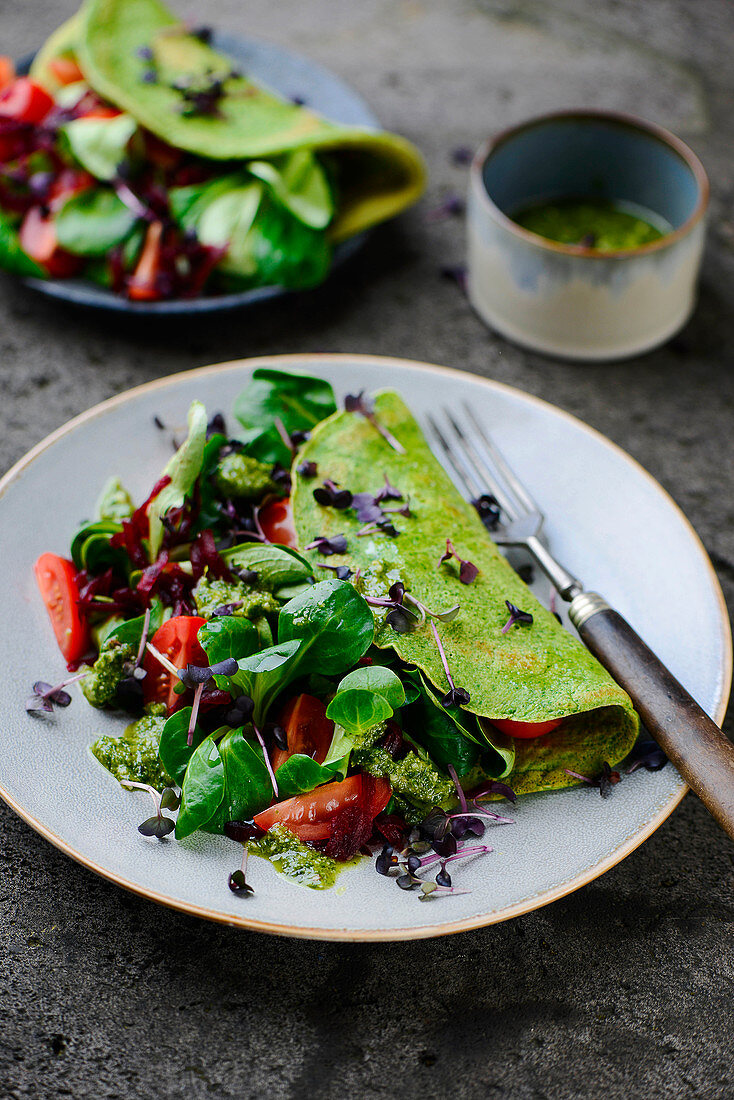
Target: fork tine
{"type": "Point", "coordinates": [493, 455]}
{"type": "Point", "coordinates": [468, 479]}
{"type": "Point", "coordinates": [483, 473]}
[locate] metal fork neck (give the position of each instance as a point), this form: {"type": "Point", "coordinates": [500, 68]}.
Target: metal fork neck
{"type": "Point", "coordinates": [566, 584]}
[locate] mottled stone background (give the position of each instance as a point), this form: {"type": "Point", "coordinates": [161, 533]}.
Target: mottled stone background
{"type": "Point", "coordinates": [623, 989]}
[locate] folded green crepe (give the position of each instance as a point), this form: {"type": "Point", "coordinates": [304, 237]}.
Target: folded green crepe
{"type": "Point", "coordinates": [531, 673]}
{"type": "Point", "coordinates": [379, 173]}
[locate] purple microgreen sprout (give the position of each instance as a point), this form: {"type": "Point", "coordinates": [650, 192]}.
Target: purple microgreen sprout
{"type": "Point", "coordinates": [489, 510]}
{"type": "Point", "coordinates": [357, 403]}
{"type": "Point", "coordinates": [604, 781]}
{"type": "Point", "coordinates": [130, 200]}
{"type": "Point", "coordinates": [194, 713]}
{"type": "Point", "coordinates": [517, 617]}
{"type": "Point", "coordinates": [158, 826]}
{"type": "Point", "coordinates": [330, 495]}
{"type": "Point", "coordinates": [462, 156]}
{"type": "Point", "coordinates": [367, 508]}
{"type": "Point", "coordinates": [237, 882]}
{"type": "Point", "coordinates": [417, 863]}
{"type": "Point", "coordinates": [46, 696]}
{"type": "Point", "coordinates": [307, 469]}
{"type": "Point", "coordinates": [143, 637]}
{"type": "Point", "coordinates": [225, 609]}
{"type": "Point", "coordinates": [526, 572]}
{"type": "Point", "coordinates": [494, 786]}
{"type": "Point", "coordinates": [240, 711]}
{"type": "Point", "coordinates": [388, 492]}
{"type": "Point", "coordinates": [454, 696]}
{"type": "Point", "coordinates": [646, 754]}
{"type": "Point", "coordinates": [457, 274]}
{"type": "Point", "coordinates": [268, 765]}
{"type": "Point", "coordinates": [342, 572]}
{"type": "Point", "coordinates": [432, 890]}
{"type": "Point", "coordinates": [280, 737]}
{"type": "Point", "coordinates": [452, 206]}
{"type": "Point", "coordinates": [468, 571]}
{"type": "Point", "coordinates": [335, 545]}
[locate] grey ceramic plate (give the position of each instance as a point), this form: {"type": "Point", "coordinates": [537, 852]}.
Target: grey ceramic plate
{"type": "Point", "coordinates": [293, 76]}
{"type": "Point", "coordinates": [655, 571]}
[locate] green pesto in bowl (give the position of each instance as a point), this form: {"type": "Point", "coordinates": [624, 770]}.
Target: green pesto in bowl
{"type": "Point", "coordinates": [593, 223]}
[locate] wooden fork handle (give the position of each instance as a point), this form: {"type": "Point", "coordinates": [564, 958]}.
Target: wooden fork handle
{"type": "Point", "coordinates": [703, 755]}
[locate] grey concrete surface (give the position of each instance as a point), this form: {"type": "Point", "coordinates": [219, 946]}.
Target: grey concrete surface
{"type": "Point", "coordinates": [623, 989]}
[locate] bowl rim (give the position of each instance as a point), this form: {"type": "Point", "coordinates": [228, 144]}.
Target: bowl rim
{"type": "Point", "coordinates": [619, 118]}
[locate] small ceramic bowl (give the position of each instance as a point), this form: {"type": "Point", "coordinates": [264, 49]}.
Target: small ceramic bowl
{"type": "Point", "coordinates": [572, 301]}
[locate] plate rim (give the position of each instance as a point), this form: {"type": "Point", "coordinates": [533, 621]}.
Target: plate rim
{"type": "Point", "coordinates": [411, 932]}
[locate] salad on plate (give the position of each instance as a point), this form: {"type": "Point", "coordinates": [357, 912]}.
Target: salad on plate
{"type": "Point", "coordinates": [137, 157]}
{"type": "Point", "coordinates": [319, 650]}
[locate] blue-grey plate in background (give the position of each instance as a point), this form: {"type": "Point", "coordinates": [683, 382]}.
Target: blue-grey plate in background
{"type": "Point", "coordinates": [292, 76]}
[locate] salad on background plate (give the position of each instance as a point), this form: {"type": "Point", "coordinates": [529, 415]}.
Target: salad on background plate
{"type": "Point", "coordinates": [319, 650]}
{"type": "Point", "coordinates": [137, 158]}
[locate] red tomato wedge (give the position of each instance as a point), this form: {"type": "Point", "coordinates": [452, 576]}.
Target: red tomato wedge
{"type": "Point", "coordinates": [177, 641]}
{"type": "Point", "coordinates": [308, 729]}
{"type": "Point", "coordinates": [65, 70]}
{"type": "Point", "coordinates": [142, 286]}
{"type": "Point", "coordinates": [38, 240]}
{"type": "Point", "coordinates": [25, 101]}
{"type": "Point", "coordinates": [276, 520]}
{"type": "Point", "coordinates": [7, 71]}
{"type": "Point", "coordinates": [58, 587]}
{"type": "Point", "coordinates": [525, 730]}
{"type": "Point", "coordinates": [312, 816]}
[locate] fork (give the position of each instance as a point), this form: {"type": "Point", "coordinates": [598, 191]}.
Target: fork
{"type": "Point", "coordinates": [703, 755]}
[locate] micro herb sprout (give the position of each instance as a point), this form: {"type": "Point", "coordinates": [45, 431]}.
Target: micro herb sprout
{"type": "Point", "coordinates": [47, 696]}
{"type": "Point", "coordinates": [357, 403]}
{"type": "Point", "coordinates": [158, 826]}
{"type": "Point", "coordinates": [341, 572]}
{"type": "Point", "coordinates": [455, 696]}
{"type": "Point", "coordinates": [468, 571]}
{"type": "Point", "coordinates": [337, 544]}
{"type": "Point", "coordinates": [237, 882]}
{"type": "Point", "coordinates": [605, 781]}
{"type": "Point", "coordinates": [517, 617]}
{"type": "Point", "coordinates": [330, 495]}
{"type": "Point", "coordinates": [646, 754]}
{"type": "Point", "coordinates": [268, 765]}
{"type": "Point", "coordinates": [488, 510]}
{"type": "Point", "coordinates": [452, 206]}
{"type": "Point", "coordinates": [307, 469]}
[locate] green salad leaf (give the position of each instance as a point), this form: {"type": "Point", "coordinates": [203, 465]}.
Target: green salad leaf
{"type": "Point", "coordinates": [12, 256]}
{"type": "Point", "coordinates": [277, 567]}
{"type": "Point", "coordinates": [299, 773]}
{"type": "Point", "coordinates": [183, 469]}
{"type": "Point", "coordinates": [173, 749]}
{"type": "Point", "coordinates": [333, 623]}
{"type": "Point", "coordinates": [91, 549]}
{"type": "Point", "coordinates": [299, 401]}
{"type": "Point", "coordinates": [100, 144]}
{"type": "Point", "coordinates": [228, 636]}
{"type": "Point", "coordinates": [357, 710]}
{"type": "Point", "coordinates": [202, 789]}
{"type": "Point", "coordinates": [92, 222]}
{"type": "Point", "coordinates": [298, 181]}
{"type": "Point", "coordinates": [247, 783]}
{"type": "Point", "coordinates": [114, 502]}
